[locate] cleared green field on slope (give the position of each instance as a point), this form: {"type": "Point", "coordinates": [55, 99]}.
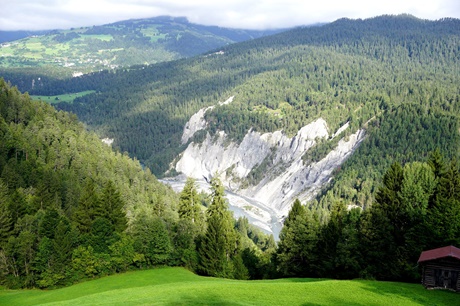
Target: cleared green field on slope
{"type": "Point", "coordinates": [177, 286]}
{"type": "Point", "coordinates": [62, 98]}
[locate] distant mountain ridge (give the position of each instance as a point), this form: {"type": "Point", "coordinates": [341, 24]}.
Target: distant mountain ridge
{"type": "Point", "coordinates": [119, 44]}
{"type": "Point", "coordinates": [6, 36]}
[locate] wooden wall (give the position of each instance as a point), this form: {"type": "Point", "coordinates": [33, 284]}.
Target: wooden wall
{"type": "Point", "coordinates": [441, 273]}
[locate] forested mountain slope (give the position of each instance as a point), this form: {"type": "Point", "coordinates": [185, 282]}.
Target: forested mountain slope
{"type": "Point", "coordinates": [121, 44]}
{"type": "Point", "coordinates": [71, 208]}
{"type": "Point", "coordinates": [61, 188]}
{"type": "Point", "coordinates": [397, 77]}
{"type": "Point", "coordinates": [47, 155]}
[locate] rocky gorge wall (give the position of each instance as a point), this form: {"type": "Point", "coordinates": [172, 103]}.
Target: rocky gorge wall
{"type": "Point", "coordinates": [285, 175]}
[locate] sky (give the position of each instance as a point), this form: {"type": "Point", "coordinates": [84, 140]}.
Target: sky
{"type": "Point", "coordinates": [246, 14]}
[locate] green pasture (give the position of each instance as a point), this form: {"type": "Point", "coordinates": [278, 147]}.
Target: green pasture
{"type": "Point", "coordinates": [177, 286]}
{"type": "Point", "coordinates": [34, 49]}
{"type": "Point", "coordinates": [6, 51]}
{"type": "Point", "coordinates": [152, 33]}
{"type": "Point", "coordinates": [35, 46]}
{"type": "Point", "coordinates": [39, 48]}
{"type": "Point", "coordinates": [103, 37]}
{"type": "Point", "coordinates": [63, 98]}
{"type": "Point", "coordinates": [56, 49]}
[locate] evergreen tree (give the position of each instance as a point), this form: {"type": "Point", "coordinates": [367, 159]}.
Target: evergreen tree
{"type": "Point", "coordinates": [190, 203]}
{"type": "Point", "coordinates": [399, 225]}
{"type": "Point", "coordinates": [383, 233]}
{"type": "Point", "coordinates": [186, 232]}
{"type": "Point", "coordinates": [239, 269]}
{"type": "Point", "coordinates": [329, 237]}
{"type": "Point", "coordinates": [44, 261]}
{"type": "Point", "coordinates": [6, 222]}
{"type": "Point", "coordinates": [252, 263]}
{"type": "Point", "coordinates": [220, 241]}
{"type": "Point", "coordinates": [48, 224]}
{"type": "Point", "coordinates": [17, 206]}
{"type": "Point", "coordinates": [65, 238]}
{"type": "Point", "coordinates": [349, 260]}
{"type": "Point", "coordinates": [48, 192]}
{"type": "Point", "coordinates": [296, 254]}
{"type": "Point", "coordinates": [442, 223]}
{"type": "Point", "coordinates": [85, 213]}
{"type": "Point", "coordinates": [296, 210]}
{"type": "Point", "coordinates": [436, 162]}
{"type": "Point", "coordinates": [101, 235]}
{"type": "Point", "coordinates": [111, 207]}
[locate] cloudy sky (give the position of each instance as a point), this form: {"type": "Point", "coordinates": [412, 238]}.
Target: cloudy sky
{"type": "Point", "coordinates": [249, 14]}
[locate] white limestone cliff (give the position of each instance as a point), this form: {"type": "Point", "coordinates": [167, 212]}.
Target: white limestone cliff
{"type": "Point", "coordinates": [286, 176]}
{"type": "Point", "coordinates": [197, 123]}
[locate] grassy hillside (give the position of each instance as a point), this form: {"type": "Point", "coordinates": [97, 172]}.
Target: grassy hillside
{"type": "Point", "coordinates": [62, 98]}
{"type": "Point", "coordinates": [176, 286]}
{"type": "Point", "coordinates": [124, 43]}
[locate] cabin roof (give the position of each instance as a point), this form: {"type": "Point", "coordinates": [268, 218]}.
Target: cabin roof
{"type": "Point", "coordinates": [448, 251]}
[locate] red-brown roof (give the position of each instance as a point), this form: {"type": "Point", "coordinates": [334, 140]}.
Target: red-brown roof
{"type": "Point", "coordinates": [448, 251]}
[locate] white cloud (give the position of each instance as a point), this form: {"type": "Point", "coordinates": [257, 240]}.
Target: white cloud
{"type": "Point", "coordinates": [258, 14]}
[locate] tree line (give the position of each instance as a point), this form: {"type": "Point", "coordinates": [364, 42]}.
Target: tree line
{"type": "Point", "coordinates": [416, 208]}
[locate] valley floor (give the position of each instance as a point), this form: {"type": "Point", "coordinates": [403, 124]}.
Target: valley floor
{"type": "Point", "coordinates": [259, 214]}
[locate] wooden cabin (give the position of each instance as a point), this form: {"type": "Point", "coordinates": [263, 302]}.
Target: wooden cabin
{"type": "Point", "coordinates": [441, 268]}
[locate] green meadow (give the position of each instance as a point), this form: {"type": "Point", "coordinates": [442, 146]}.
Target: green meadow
{"type": "Point", "coordinates": [69, 98]}
{"type": "Point", "coordinates": [103, 37]}
{"type": "Point", "coordinates": [153, 33]}
{"type": "Point", "coordinates": [177, 286]}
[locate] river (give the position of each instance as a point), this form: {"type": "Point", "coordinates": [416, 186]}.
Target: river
{"type": "Point", "coordinates": [256, 212]}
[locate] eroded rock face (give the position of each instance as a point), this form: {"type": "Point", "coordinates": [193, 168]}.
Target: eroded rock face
{"type": "Point", "coordinates": [300, 180]}
{"type": "Point", "coordinates": [284, 176]}
{"type": "Point", "coordinates": [197, 123]}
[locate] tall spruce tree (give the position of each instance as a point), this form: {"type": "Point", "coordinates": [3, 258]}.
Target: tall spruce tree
{"type": "Point", "coordinates": [296, 255]}
{"type": "Point", "coordinates": [329, 236]}
{"type": "Point", "coordinates": [382, 233]}
{"type": "Point", "coordinates": [349, 261]}
{"type": "Point", "coordinates": [111, 207]}
{"type": "Point", "coordinates": [220, 242]}
{"type": "Point", "coordinates": [85, 213]}
{"type": "Point", "coordinates": [395, 232]}
{"type": "Point", "coordinates": [6, 222]}
{"type": "Point", "coordinates": [190, 204]}
{"type": "Point", "coordinates": [339, 244]}
{"type": "Point", "coordinates": [442, 223]}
